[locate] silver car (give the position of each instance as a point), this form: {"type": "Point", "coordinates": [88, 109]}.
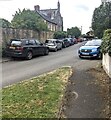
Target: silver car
{"type": "Point", "coordinates": [53, 44]}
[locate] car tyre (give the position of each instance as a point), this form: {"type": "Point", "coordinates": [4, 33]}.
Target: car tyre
{"type": "Point", "coordinates": [61, 48]}
{"type": "Point", "coordinates": [29, 55]}
{"type": "Point", "coordinates": [65, 46]}
{"type": "Point", "coordinates": [55, 49]}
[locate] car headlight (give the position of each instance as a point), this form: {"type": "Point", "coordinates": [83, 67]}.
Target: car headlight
{"type": "Point", "coordinates": [94, 50]}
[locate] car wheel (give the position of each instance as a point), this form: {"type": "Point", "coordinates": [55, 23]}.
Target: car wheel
{"type": "Point", "coordinates": [47, 51]}
{"type": "Point", "coordinates": [55, 49]}
{"type": "Point", "coordinates": [29, 55]}
{"type": "Point", "coordinates": [65, 46]}
{"type": "Point", "coordinates": [60, 48]}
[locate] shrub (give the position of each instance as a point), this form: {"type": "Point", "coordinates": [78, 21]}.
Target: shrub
{"type": "Point", "coordinates": [60, 35]}
{"type": "Point", "coordinates": [106, 43]}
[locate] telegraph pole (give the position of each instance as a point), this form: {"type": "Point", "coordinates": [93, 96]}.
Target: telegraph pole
{"type": "Point", "coordinates": [80, 29]}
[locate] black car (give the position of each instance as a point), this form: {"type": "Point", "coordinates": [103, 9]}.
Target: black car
{"type": "Point", "coordinates": [26, 48]}
{"type": "Point", "coordinates": [65, 42]}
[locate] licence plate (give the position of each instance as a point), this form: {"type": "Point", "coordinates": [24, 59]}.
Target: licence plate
{"type": "Point", "coordinates": [85, 53]}
{"type": "Point", "coordinates": [12, 47]}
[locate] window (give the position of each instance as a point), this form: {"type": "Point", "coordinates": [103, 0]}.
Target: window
{"type": "Point", "coordinates": [49, 41]}
{"type": "Point", "coordinates": [37, 42]}
{"type": "Point", "coordinates": [32, 42]}
{"type": "Point", "coordinates": [16, 43]}
{"type": "Point", "coordinates": [26, 42]}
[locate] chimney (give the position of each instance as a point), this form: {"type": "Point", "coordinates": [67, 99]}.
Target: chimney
{"type": "Point", "coordinates": [37, 7]}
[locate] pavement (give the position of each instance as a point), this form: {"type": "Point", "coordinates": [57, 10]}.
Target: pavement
{"type": "Point", "coordinates": [82, 97]}
{"type": "Point", "coordinates": [6, 59]}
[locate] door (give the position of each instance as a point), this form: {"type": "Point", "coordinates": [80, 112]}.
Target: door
{"type": "Point", "coordinates": [34, 46]}
{"type": "Point", "coordinates": [59, 44]}
{"type": "Point", "coordinates": [40, 47]}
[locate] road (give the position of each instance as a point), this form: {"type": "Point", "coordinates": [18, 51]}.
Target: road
{"type": "Point", "coordinates": [18, 70]}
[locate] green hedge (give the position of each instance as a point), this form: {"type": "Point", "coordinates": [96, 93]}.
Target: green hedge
{"type": "Point", "coordinates": [106, 43]}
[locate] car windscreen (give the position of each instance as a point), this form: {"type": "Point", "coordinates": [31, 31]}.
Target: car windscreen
{"type": "Point", "coordinates": [93, 43]}
{"type": "Point", "coordinates": [15, 43]}
{"type": "Point", "coordinates": [48, 41]}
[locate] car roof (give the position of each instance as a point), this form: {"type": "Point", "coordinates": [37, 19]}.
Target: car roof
{"type": "Point", "coordinates": [52, 39]}
{"type": "Point", "coordinates": [97, 39]}
{"type": "Point", "coordinates": [22, 39]}
{"type": "Point", "coordinates": [18, 39]}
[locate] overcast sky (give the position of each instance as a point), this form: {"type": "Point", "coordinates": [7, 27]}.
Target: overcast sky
{"type": "Point", "coordinates": [74, 12]}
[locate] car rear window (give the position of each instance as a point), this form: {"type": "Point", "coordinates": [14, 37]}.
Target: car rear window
{"type": "Point", "coordinates": [47, 41]}
{"type": "Point", "coordinates": [16, 43]}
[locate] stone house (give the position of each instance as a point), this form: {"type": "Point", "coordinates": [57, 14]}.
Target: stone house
{"type": "Point", "coordinates": [52, 17]}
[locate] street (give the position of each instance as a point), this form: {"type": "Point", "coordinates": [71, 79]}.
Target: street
{"type": "Point", "coordinates": [18, 70]}
{"type": "Point", "coordinates": [72, 81]}
{"type": "Point", "coordinates": [81, 89]}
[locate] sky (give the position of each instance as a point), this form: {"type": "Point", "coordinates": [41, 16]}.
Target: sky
{"type": "Point", "coordinates": [74, 12]}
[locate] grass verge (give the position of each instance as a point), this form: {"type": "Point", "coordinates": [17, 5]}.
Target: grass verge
{"type": "Point", "coordinates": [38, 97]}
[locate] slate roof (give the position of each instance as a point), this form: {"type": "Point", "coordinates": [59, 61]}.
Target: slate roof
{"type": "Point", "coordinates": [50, 15]}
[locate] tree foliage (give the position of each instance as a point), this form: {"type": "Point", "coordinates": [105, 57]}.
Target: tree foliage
{"type": "Point", "coordinates": [101, 19]}
{"type": "Point", "coordinates": [106, 43]}
{"type": "Point", "coordinates": [27, 19]}
{"type": "Point", "coordinates": [74, 31]}
{"type": "Point", "coordinates": [60, 34]}
{"type": "Point", "coordinates": [4, 23]}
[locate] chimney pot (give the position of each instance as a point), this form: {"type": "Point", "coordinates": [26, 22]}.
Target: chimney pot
{"type": "Point", "coordinates": [37, 7]}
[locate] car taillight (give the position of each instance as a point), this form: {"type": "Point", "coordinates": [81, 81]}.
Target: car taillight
{"type": "Point", "coordinates": [19, 48]}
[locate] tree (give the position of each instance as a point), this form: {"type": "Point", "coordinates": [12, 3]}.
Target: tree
{"type": "Point", "coordinates": [74, 31]}
{"type": "Point", "coordinates": [106, 43]}
{"type": "Point", "coordinates": [27, 19]}
{"type": "Point", "coordinates": [101, 19]}
{"type": "Point", "coordinates": [4, 23]}
{"type": "Point", "coordinates": [60, 35]}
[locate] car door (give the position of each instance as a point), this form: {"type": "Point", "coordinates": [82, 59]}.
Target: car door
{"type": "Point", "coordinates": [40, 47]}
{"type": "Point", "coordinates": [59, 45]}
{"type": "Point", "coordinates": [34, 47]}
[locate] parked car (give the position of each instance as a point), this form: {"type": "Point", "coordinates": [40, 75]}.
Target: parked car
{"type": "Point", "coordinates": [65, 43]}
{"type": "Point", "coordinates": [79, 40]}
{"type": "Point", "coordinates": [71, 41]}
{"type": "Point", "coordinates": [53, 44]}
{"type": "Point", "coordinates": [26, 48]}
{"type": "Point", "coordinates": [91, 49]}
{"type": "Point", "coordinates": [75, 40]}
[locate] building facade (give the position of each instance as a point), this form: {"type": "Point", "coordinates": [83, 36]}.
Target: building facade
{"type": "Point", "coordinates": [52, 17]}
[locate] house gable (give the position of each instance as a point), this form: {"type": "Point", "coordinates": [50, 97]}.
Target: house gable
{"type": "Point", "coordinates": [52, 16]}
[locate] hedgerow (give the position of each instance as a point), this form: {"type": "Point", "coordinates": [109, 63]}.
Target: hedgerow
{"type": "Point", "coordinates": [106, 42]}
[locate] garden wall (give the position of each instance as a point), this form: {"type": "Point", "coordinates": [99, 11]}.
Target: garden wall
{"type": "Point", "coordinates": [10, 33]}
{"type": "Point", "coordinates": [106, 61]}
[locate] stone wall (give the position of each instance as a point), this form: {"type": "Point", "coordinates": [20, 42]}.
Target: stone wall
{"type": "Point", "coordinates": [10, 33]}
{"type": "Point", "coordinates": [106, 62]}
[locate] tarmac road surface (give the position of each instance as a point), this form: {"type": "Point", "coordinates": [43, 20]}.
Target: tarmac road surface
{"type": "Point", "coordinates": [19, 70]}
